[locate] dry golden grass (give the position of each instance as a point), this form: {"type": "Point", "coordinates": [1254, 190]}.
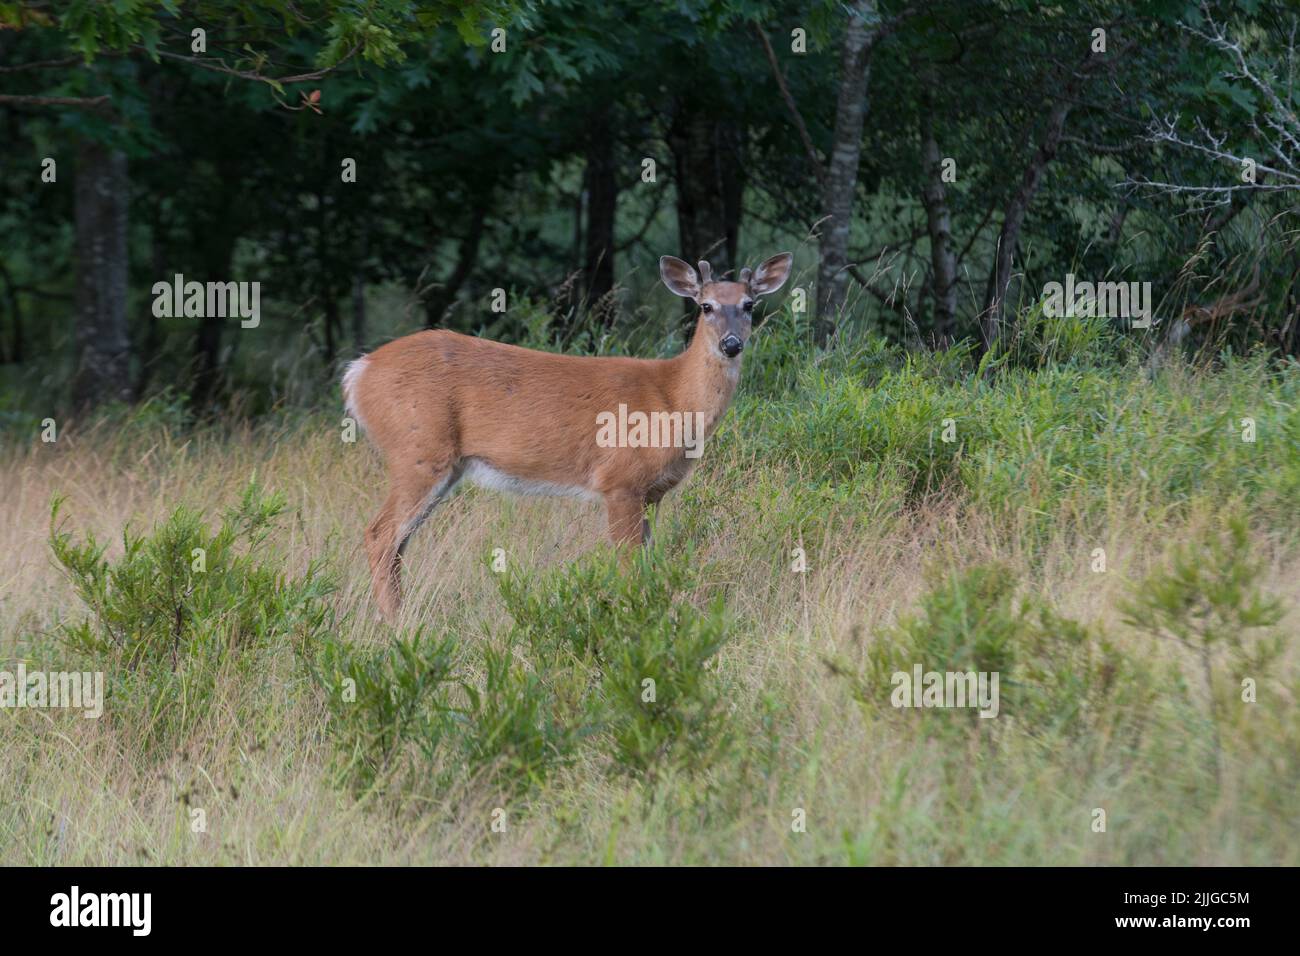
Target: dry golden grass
{"type": "Point", "coordinates": [875, 790]}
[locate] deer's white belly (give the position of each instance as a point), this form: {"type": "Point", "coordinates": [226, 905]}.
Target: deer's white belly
{"type": "Point", "coordinates": [479, 472]}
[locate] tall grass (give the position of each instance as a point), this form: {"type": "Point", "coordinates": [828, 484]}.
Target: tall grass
{"type": "Point", "coordinates": [1106, 540]}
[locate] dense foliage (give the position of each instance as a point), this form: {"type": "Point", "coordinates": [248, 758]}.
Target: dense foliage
{"type": "Point", "coordinates": [555, 149]}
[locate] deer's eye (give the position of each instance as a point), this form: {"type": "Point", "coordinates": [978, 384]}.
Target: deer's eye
{"type": "Point", "coordinates": [749, 306]}
{"type": "Point", "coordinates": [707, 306]}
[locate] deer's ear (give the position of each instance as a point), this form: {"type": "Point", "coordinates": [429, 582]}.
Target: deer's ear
{"type": "Point", "coordinates": [771, 275]}
{"type": "Point", "coordinates": [680, 278]}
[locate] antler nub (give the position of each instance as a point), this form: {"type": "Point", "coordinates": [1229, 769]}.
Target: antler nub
{"type": "Point", "coordinates": [745, 274]}
{"type": "Point", "coordinates": [706, 272]}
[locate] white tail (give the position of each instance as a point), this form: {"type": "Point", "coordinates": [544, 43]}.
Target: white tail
{"type": "Point", "coordinates": [443, 407]}
{"type": "Point", "coordinates": [351, 375]}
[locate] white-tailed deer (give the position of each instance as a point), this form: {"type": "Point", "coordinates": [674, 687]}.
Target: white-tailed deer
{"type": "Point", "coordinates": [443, 406]}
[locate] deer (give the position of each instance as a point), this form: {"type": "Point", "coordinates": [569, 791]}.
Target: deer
{"type": "Point", "coordinates": [442, 407]}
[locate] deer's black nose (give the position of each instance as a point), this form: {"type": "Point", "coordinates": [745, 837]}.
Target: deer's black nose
{"type": "Point", "coordinates": [731, 346]}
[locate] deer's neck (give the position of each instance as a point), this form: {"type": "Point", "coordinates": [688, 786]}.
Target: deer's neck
{"type": "Point", "coordinates": [705, 380]}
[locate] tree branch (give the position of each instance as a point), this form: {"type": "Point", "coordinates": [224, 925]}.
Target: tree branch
{"type": "Point", "coordinates": [41, 65]}
{"type": "Point", "coordinates": [792, 107]}
{"type": "Point", "coordinates": [76, 101]}
{"type": "Point", "coordinates": [220, 67]}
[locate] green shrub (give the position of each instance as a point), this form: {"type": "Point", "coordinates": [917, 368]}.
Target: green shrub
{"type": "Point", "coordinates": [407, 720]}
{"type": "Point", "coordinates": [631, 651]}
{"type": "Point", "coordinates": [1056, 677]}
{"type": "Point", "coordinates": [1039, 340]}
{"type": "Point", "coordinates": [569, 672]}
{"type": "Point", "coordinates": [1028, 442]}
{"type": "Point", "coordinates": [390, 710]}
{"type": "Point", "coordinates": [520, 730]}
{"type": "Point", "coordinates": [184, 604]}
{"type": "Point", "coordinates": [661, 702]}
{"type": "Point", "coordinates": [1208, 600]}
{"type": "Point", "coordinates": [783, 354]}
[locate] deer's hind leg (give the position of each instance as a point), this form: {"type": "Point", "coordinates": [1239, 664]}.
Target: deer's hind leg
{"type": "Point", "coordinates": [626, 511]}
{"type": "Point", "coordinates": [413, 494]}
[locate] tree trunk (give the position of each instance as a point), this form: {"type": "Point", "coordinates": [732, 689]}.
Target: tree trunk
{"type": "Point", "coordinates": [152, 342]}
{"type": "Point", "coordinates": [602, 197]}
{"type": "Point", "coordinates": [992, 318]}
{"type": "Point", "coordinates": [102, 341]}
{"type": "Point", "coordinates": [218, 262]}
{"type": "Point", "coordinates": [706, 156]}
{"type": "Point", "coordinates": [441, 299]}
{"type": "Point", "coordinates": [943, 260]}
{"type": "Point", "coordinates": [842, 174]}
{"type": "Point", "coordinates": [14, 352]}
{"type": "Point", "coordinates": [332, 327]}
{"type": "Point", "coordinates": [358, 312]}
{"type": "Point", "coordinates": [1013, 219]}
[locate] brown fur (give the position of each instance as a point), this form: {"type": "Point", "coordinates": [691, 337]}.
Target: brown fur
{"type": "Point", "coordinates": [436, 401]}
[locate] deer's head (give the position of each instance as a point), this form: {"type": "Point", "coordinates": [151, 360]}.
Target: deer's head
{"type": "Point", "coordinates": [725, 307]}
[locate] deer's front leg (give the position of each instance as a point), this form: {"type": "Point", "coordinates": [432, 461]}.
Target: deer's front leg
{"type": "Point", "coordinates": [626, 517]}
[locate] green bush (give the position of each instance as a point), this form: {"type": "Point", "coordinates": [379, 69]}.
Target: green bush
{"type": "Point", "coordinates": [390, 710]}
{"type": "Point", "coordinates": [1207, 599]}
{"type": "Point", "coordinates": [1032, 441]}
{"type": "Point", "coordinates": [408, 720]}
{"type": "Point", "coordinates": [520, 730]}
{"type": "Point", "coordinates": [569, 672]}
{"type": "Point", "coordinates": [1056, 677]}
{"type": "Point", "coordinates": [629, 649]}
{"type": "Point", "coordinates": [1040, 341]}
{"type": "Point", "coordinates": [183, 604]}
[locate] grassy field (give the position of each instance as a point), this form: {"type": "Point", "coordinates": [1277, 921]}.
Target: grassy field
{"type": "Point", "coordinates": [258, 712]}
